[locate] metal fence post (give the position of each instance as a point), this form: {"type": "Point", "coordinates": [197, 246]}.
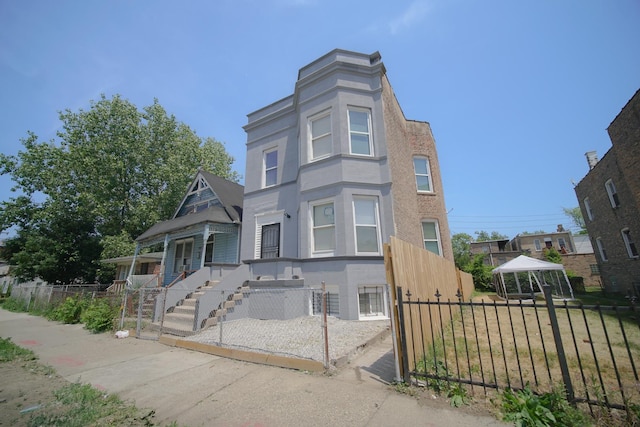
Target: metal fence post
{"type": "Point", "coordinates": [406, 375]}
{"type": "Point", "coordinates": [562, 359]}
{"type": "Point", "coordinates": [324, 325]}
{"type": "Point", "coordinates": [221, 317]}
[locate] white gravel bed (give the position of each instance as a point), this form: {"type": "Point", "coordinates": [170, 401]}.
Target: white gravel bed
{"type": "Point", "coordinates": [300, 337]}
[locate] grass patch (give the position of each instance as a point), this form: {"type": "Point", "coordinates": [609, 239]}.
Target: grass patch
{"type": "Point", "coordinates": [82, 405]}
{"type": "Point", "coordinates": [10, 352]}
{"type": "Point", "coordinates": [34, 395]}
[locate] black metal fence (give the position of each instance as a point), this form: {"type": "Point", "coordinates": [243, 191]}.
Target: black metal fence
{"type": "Point", "coordinates": [492, 344]}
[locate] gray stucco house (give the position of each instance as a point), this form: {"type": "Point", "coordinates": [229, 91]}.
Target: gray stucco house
{"type": "Point", "coordinates": [332, 171]}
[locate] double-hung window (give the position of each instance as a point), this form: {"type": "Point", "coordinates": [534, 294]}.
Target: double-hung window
{"type": "Point", "coordinates": [324, 227]}
{"type": "Point", "coordinates": [270, 167]}
{"type": "Point", "coordinates": [366, 223]}
{"type": "Point", "coordinates": [423, 174]}
{"type": "Point", "coordinates": [587, 208]}
{"type": "Point", "coordinates": [360, 132]}
{"type": "Point", "coordinates": [320, 130]}
{"type": "Point", "coordinates": [601, 250]}
{"type": "Point", "coordinates": [612, 193]}
{"type": "Point", "coordinates": [371, 301]}
{"type": "Point", "coordinates": [431, 236]}
{"type": "Point", "coordinates": [537, 245]}
{"type": "Point", "coordinates": [629, 244]}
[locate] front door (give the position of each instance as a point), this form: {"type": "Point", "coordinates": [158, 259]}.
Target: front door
{"type": "Point", "coordinates": [270, 247]}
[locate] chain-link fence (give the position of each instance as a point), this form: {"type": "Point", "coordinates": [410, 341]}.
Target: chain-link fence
{"type": "Point", "coordinates": [286, 322]}
{"type": "Point", "coordinates": [39, 297]}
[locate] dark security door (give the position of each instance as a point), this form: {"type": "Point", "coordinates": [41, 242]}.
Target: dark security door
{"type": "Point", "coordinates": [270, 241]}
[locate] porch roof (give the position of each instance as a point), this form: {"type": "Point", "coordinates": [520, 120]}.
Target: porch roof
{"type": "Point", "coordinates": [214, 214]}
{"type": "Point", "coordinates": [149, 257]}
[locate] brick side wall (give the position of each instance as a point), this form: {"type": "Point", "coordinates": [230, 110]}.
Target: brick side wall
{"type": "Point", "coordinates": [580, 264]}
{"type": "Point", "coordinates": [406, 139]}
{"type": "Point", "coordinates": [622, 165]}
{"type": "Point", "coordinates": [624, 132]}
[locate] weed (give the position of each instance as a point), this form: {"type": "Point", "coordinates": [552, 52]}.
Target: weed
{"type": "Point", "coordinates": [404, 388]}
{"type": "Point", "coordinates": [100, 316]}
{"type": "Point", "coordinates": [525, 408]}
{"type": "Point", "coordinates": [439, 380]}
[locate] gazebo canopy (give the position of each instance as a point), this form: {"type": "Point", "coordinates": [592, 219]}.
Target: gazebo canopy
{"type": "Point", "coordinates": [522, 275]}
{"type": "Point", "coordinates": [525, 263]}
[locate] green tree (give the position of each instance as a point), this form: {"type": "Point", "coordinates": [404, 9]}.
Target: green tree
{"type": "Point", "coordinates": [482, 276]}
{"type": "Point", "coordinates": [113, 169]}
{"type": "Point", "coordinates": [528, 233]}
{"type": "Point", "coordinates": [483, 236]}
{"type": "Point", "coordinates": [552, 255]}
{"type": "Point", "coordinates": [461, 249]}
{"type": "Point", "coordinates": [576, 217]}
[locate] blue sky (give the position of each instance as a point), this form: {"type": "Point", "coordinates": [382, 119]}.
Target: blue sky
{"type": "Point", "coordinates": [515, 91]}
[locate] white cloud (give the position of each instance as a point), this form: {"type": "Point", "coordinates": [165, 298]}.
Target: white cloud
{"type": "Point", "coordinates": [410, 17]}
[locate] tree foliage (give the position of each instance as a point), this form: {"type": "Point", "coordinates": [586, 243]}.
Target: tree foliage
{"type": "Point", "coordinates": [484, 236]}
{"type": "Point", "coordinates": [461, 243]}
{"type": "Point", "coordinates": [576, 217]}
{"type": "Point", "coordinates": [113, 171]}
{"type": "Point", "coordinates": [482, 276]}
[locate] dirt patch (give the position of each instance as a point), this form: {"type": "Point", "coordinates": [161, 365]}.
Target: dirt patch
{"type": "Point", "coordinates": [26, 388]}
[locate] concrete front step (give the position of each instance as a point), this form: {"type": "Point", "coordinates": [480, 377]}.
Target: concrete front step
{"type": "Point", "coordinates": [185, 309]}
{"type": "Point", "coordinates": [185, 320]}
{"type": "Point", "coordinates": [176, 329]}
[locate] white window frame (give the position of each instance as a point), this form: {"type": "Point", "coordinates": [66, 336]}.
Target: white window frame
{"type": "Point", "coordinates": [601, 249]}
{"type": "Point", "coordinates": [312, 206]}
{"type": "Point", "coordinates": [537, 244]}
{"type": "Point", "coordinates": [369, 133]}
{"type": "Point", "coordinates": [182, 267]}
{"type": "Point", "coordinates": [629, 244]}
{"type": "Point", "coordinates": [263, 219]}
{"type": "Point", "coordinates": [314, 138]}
{"type": "Point", "coordinates": [375, 290]}
{"type": "Point", "coordinates": [437, 240]}
{"type": "Point", "coordinates": [587, 208]}
{"type": "Point", "coordinates": [374, 199]}
{"type": "Point", "coordinates": [427, 175]}
{"type": "Point", "coordinates": [612, 193]}
{"type": "Point", "coordinates": [266, 170]}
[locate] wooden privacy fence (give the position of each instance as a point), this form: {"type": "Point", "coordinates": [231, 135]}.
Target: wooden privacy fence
{"type": "Point", "coordinates": [422, 274]}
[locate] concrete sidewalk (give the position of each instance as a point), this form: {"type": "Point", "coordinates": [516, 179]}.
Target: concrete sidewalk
{"type": "Point", "coordinates": [197, 389]}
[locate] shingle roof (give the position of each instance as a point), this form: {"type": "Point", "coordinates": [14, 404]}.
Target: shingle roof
{"type": "Point", "coordinates": [231, 196]}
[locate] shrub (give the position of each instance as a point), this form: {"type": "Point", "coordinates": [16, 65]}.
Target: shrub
{"type": "Point", "coordinates": [100, 316]}
{"type": "Point", "coordinates": [14, 304]}
{"type": "Point", "coordinates": [577, 283]}
{"type": "Point", "coordinates": [69, 311]}
{"type": "Point", "coordinates": [482, 277]}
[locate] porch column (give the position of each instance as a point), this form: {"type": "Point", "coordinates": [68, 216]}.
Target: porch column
{"type": "Point", "coordinates": [164, 257]}
{"type": "Point", "coordinates": [205, 238]}
{"type": "Point", "coordinates": [133, 264]}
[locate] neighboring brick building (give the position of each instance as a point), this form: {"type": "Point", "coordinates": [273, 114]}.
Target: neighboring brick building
{"type": "Point", "coordinates": [576, 251]}
{"type": "Point", "coordinates": [609, 197]}
{"type": "Point", "coordinates": [496, 252]}
{"type": "Point", "coordinates": [332, 171]}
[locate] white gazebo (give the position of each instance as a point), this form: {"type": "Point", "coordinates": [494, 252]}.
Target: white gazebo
{"type": "Point", "coordinates": [524, 276]}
